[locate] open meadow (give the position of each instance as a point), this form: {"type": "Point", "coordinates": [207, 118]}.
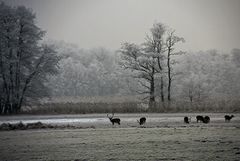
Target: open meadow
{"type": "Point", "coordinates": [164, 137]}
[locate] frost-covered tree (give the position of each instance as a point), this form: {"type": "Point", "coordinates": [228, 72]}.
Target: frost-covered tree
{"type": "Point", "coordinates": [152, 60]}
{"type": "Point", "coordinates": [155, 47]}
{"type": "Point", "coordinates": [93, 72]}
{"type": "Point", "coordinates": [236, 57]}
{"type": "Point", "coordinates": [24, 63]}
{"type": "Point", "coordinates": [171, 41]}
{"type": "Point", "coordinates": [144, 67]}
{"type": "Point", "coordinates": [208, 76]}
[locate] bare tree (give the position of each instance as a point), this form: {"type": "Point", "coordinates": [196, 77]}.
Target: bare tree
{"type": "Point", "coordinates": [171, 41]}
{"type": "Point", "coordinates": [155, 45]}
{"type": "Point", "coordinates": [135, 59]}
{"type": "Point", "coordinates": [148, 60]}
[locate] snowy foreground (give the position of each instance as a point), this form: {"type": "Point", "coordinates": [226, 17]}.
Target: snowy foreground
{"type": "Point", "coordinates": [165, 137]}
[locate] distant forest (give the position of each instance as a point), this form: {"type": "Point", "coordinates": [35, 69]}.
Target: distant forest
{"type": "Point", "coordinates": [154, 71]}
{"type": "Point", "coordinates": [198, 76]}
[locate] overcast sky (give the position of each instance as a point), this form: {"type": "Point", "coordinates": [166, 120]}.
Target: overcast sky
{"type": "Point", "coordinates": [205, 24]}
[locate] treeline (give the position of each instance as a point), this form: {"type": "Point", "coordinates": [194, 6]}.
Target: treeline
{"type": "Point", "coordinates": [155, 71]}
{"type": "Point", "coordinates": [205, 79]}
{"type": "Point", "coordinates": [93, 72]}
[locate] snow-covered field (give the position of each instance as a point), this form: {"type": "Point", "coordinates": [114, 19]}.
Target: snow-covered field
{"type": "Point", "coordinates": [165, 137]}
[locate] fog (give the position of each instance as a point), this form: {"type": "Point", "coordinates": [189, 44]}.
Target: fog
{"type": "Point", "coordinates": [90, 23]}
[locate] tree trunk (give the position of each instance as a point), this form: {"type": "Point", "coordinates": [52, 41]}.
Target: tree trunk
{"type": "Point", "coordinates": [18, 71]}
{"type": "Point", "coordinates": [11, 86]}
{"type": "Point", "coordinates": [162, 89]}
{"type": "Point", "coordinates": [152, 91]}
{"type": "Point", "coordinates": [190, 94]}
{"type": "Point", "coordinates": [169, 76]}
{"type": "Point", "coordinates": [152, 95]}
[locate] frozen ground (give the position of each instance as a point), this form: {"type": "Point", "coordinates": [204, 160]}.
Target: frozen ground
{"type": "Point", "coordinates": [165, 137]}
{"type": "Point", "coordinates": [127, 120]}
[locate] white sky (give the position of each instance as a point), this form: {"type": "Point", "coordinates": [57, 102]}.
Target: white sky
{"type": "Point", "coordinates": [205, 24]}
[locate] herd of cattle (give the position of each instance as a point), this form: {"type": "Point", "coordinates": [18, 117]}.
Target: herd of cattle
{"type": "Point", "coordinates": [199, 118]}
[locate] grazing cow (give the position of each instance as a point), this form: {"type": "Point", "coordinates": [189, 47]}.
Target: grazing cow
{"type": "Point", "coordinates": [228, 118]}
{"type": "Point", "coordinates": [114, 120]}
{"type": "Point", "coordinates": [142, 120]}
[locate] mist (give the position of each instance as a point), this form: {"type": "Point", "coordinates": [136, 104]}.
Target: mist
{"type": "Point", "coordinates": [89, 24]}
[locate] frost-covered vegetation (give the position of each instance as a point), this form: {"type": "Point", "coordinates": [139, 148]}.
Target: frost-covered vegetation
{"type": "Point", "coordinates": [205, 80]}
{"type": "Point", "coordinates": [155, 75]}
{"type": "Point", "coordinates": [25, 62]}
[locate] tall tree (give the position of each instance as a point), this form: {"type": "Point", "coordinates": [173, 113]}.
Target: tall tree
{"type": "Point", "coordinates": [155, 45]}
{"type": "Point", "coordinates": [149, 60]}
{"type": "Point", "coordinates": [24, 63]}
{"type": "Point", "coordinates": [171, 41]}
{"type": "Point", "coordinates": [144, 66]}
